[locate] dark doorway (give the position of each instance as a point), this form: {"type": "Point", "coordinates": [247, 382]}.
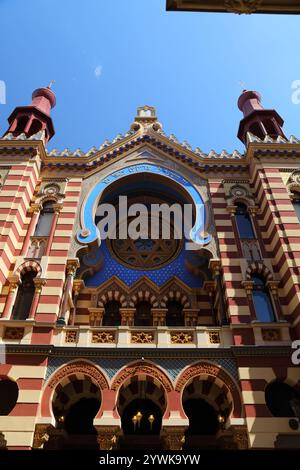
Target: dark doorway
{"type": "Point", "coordinates": [144, 410]}
{"type": "Point", "coordinates": [203, 425]}
{"type": "Point", "coordinates": [79, 425]}
{"type": "Point", "coordinates": [143, 314]}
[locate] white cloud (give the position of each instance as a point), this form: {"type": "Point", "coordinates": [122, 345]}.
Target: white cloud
{"type": "Point", "coordinates": [98, 71]}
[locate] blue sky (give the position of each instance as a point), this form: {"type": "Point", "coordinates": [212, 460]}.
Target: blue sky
{"type": "Point", "coordinates": [110, 56]}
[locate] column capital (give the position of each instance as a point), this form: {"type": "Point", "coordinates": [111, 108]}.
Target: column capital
{"type": "Point", "coordinates": [248, 286]}
{"type": "Point", "coordinates": [209, 287]}
{"type": "Point", "coordinates": [78, 285]}
{"type": "Point", "coordinates": [231, 210]}
{"type": "Point", "coordinates": [35, 208]}
{"type": "Point", "coordinates": [72, 266]}
{"type": "Point", "coordinates": [273, 286]}
{"type": "Point", "coordinates": [253, 210]}
{"type": "Point", "coordinates": [14, 281]}
{"type": "Point", "coordinates": [39, 283]}
{"type": "Point", "coordinates": [215, 266]}
{"type": "Point", "coordinates": [57, 208]}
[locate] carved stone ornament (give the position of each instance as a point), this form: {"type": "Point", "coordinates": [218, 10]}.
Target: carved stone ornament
{"type": "Point", "coordinates": [71, 336]}
{"type": "Point", "coordinates": [173, 437]}
{"type": "Point", "coordinates": [79, 367]}
{"type": "Point", "coordinates": [107, 437]}
{"type": "Point", "coordinates": [13, 333]}
{"type": "Point", "coordinates": [181, 337]}
{"type": "Point", "coordinates": [3, 442]}
{"type": "Point", "coordinates": [271, 334]}
{"type": "Point", "coordinates": [214, 337]}
{"type": "Point", "coordinates": [142, 337]}
{"type": "Point", "coordinates": [242, 6]}
{"type": "Point", "coordinates": [142, 369]}
{"type": "Point", "coordinates": [103, 337]}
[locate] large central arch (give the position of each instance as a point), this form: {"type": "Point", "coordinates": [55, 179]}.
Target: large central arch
{"type": "Point", "coordinates": [89, 234]}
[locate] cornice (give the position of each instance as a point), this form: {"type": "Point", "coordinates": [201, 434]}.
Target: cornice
{"type": "Point", "coordinates": [179, 353]}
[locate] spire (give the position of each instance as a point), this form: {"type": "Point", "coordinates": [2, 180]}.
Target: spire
{"type": "Point", "coordinates": [34, 118]}
{"type": "Point", "coordinates": [257, 120]}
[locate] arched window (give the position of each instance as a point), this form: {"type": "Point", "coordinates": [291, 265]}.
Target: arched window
{"type": "Point", "coordinates": [21, 124]}
{"type": "Point", "coordinates": [174, 314]}
{"type": "Point", "coordinates": [24, 296]}
{"type": "Point", "coordinates": [262, 301]}
{"type": "Point", "coordinates": [296, 204]}
{"type": "Point", "coordinates": [282, 400]}
{"type": "Point", "coordinates": [45, 220]}
{"type": "Point", "coordinates": [35, 127]}
{"type": "Point", "coordinates": [143, 314]}
{"type": "Point", "coordinates": [243, 222]}
{"type": "Point", "coordinates": [112, 316]}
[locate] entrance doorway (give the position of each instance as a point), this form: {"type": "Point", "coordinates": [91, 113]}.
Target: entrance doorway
{"type": "Point", "coordinates": [75, 406]}
{"type": "Point", "coordinates": [141, 405]}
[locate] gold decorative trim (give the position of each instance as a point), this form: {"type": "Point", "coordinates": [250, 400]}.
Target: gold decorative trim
{"type": "Point", "coordinates": [103, 337]}
{"type": "Point", "coordinates": [182, 337]}
{"type": "Point", "coordinates": [71, 336]}
{"type": "Point", "coordinates": [214, 337]}
{"type": "Point", "coordinates": [142, 337]}
{"type": "Point", "coordinates": [11, 332]}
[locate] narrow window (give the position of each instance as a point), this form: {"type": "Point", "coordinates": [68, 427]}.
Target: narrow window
{"type": "Point", "coordinates": [244, 223]}
{"type": "Point", "coordinates": [174, 314]}
{"type": "Point", "coordinates": [143, 314]}
{"type": "Point", "coordinates": [45, 220]}
{"type": "Point", "coordinates": [262, 301]}
{"type": "Point", "coordinates": [24, 296]}
{"type": "Point", "coordinates": [112, 316]}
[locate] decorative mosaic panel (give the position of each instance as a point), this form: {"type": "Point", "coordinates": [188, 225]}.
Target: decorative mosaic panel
{"type": "Point", "coordinates": [173, 366]}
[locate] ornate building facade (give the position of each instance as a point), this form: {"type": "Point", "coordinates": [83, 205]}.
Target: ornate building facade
{"type": "Point", "coordinates": [236, 6]}
{"type": "Point", "coordinates": [110, 340]}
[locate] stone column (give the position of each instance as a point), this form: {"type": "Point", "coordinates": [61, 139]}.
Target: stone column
{"type": "Point", "coordinates": [253, 212]}
{"type": "Point", "coordinates": [190, 316]}
{"type": "Point", "coordinates": [159, 316]}
{"type": "Point", "coordinates": [35, 211]}
{"type": "Point", "coordinates": [210, 287]}
{"type": "Point", "coordinates": [273, 289]}
{"type": "Point", "coordinates": [173, 437]}
{"type": "Point", "coordinates": [96, 316]}
{"type": "Point", "coordinates": [39, 283]}
{"type": "Point", "coordinates": [215, 266]}
{"type": "Point", "coordinates": [107, 437]}
{"type": "Point", "coordinates": [57, 208]}
{"type": "Point", "coordinates": [14, 281]}
{"type": "Point", "coordinates": [127, 315]}
{"type": "Point", "coordinates": [78, 285]}
{"type": "Point", "coordinates": [248, 286]}
{"type": "Point", "coordinates": [72, 266]}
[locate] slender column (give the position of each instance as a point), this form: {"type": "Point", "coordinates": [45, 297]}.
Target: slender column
{"type": "Point", "coordinates": [57, 209]}
{"type": "Point", "coordinates": [78, 285]}
{"type": "Point", "coordinates": [273, 288]}
{"type": "Point", "coordinates": [127, 315]}
{"type": "Point", "coordinates": [248, 285]}
{"type": "Point", "coordinates": [232, 211]}
{"type": "Point", "coordinates": [72, 266]}
{"type": "Point", "coordinates": [190, 316]}
{"type": "Point", "coordinates": [216, 269]}
{"type": "Point", "coordinates": [159, 316]}
{"type": "Point", "coordinates": [39, 283]}
{"type": "Point", "coordinates": [96, 316]}
{"type": "Point", "coordinates": [210, 287]}
{"type": "Point", "coordinates": [253, 211]}
{"type": "Point", "coordinates": [13, 284]}
{"type": "Point", "coordinates": [35, 210]}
